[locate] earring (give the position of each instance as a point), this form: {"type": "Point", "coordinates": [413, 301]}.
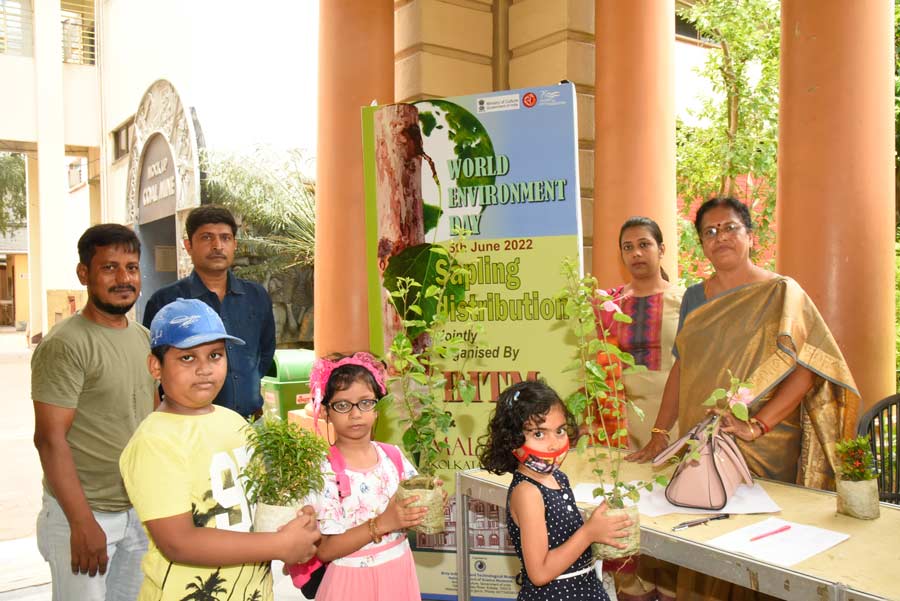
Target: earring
{"type": "Point", "coordinates": [328, 432]}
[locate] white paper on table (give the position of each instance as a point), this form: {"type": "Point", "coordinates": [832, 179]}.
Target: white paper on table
{"type": "Point", "coordinates": [746, 499]}
{"type": "Point", "coordinates": [784, 548]}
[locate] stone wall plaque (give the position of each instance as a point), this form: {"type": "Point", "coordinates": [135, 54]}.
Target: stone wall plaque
{"type": "Point", "coordinates": [158, 188]}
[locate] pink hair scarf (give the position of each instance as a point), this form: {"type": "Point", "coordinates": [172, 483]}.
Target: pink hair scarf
{"type": "Point", "coordinates": [323, 368]}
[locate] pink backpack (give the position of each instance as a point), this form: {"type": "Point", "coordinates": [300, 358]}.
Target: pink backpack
{"type": "Point", "coordinates": [302, 573]}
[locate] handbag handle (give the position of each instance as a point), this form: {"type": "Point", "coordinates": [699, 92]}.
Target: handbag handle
{"type": "Point", "coordinates": [698, 432]}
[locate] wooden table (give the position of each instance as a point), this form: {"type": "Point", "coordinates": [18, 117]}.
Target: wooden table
{"type": "Point", "coordinates": [864, 567]}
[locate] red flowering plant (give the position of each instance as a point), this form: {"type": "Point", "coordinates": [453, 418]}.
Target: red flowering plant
{"type": "Point", "coordinates": [610, 410]}
{"type": "Point", "coordinates": [855, 460]}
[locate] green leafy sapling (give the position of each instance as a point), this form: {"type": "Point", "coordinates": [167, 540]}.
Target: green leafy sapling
{"type": "Point", "coordinates": [285, 463]}
{"type": "Point", "coordinates": [600, 406]}
{"type": "Point", "coordinates": [422, 349]}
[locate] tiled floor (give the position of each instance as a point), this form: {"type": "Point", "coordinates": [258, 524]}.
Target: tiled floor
{"type": "Point", "coordinates": [36, 593]}
{"type": "Point", "coordinates": [21, 566]}
{"type": "Point", "coordinates": [20, 487]}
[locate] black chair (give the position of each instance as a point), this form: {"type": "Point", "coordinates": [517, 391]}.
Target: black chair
{"type": "Point", "coordinates": [880, 423]}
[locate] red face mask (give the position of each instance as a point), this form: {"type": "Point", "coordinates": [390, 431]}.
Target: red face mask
{"type": "Point", "coordinates": [541, 462]}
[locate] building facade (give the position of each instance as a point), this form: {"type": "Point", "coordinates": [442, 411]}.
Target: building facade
{"type": "Point", "coordinates": [82, 68]}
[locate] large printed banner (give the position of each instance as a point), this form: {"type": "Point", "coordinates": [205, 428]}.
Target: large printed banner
{"type": "Point", "coordinates": [503, 166]}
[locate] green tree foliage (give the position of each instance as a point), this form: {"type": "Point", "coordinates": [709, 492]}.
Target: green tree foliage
{"type": "Point", "coordinates": [731, 150]}
{"type": "Point", "coordinates": [12, 192]}
{"type": "Point", "coordinates": [276, 202]}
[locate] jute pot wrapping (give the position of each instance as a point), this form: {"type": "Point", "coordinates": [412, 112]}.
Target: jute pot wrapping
{"type": "Point", "coordinates": [858, 499]}
{"type": "Point", "coordinates": [632, 541]}
{"type": "Point", "coordinates": [268, 518]}
{"type": "Point", "coordinates": [430, 496]}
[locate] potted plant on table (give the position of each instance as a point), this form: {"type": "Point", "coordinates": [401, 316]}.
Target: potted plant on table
{"type": "Point", "coordinates": [284, 468]}
{"type": "Point", "coordinates": [600, 405]}
{"type": "Point", "coordinates": [857, 488]}
{"type": "Point", "coordinates": [416, 359]}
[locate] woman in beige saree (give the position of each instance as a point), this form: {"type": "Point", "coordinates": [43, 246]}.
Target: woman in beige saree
{"type": "Point", "coordinates": [765, 329]}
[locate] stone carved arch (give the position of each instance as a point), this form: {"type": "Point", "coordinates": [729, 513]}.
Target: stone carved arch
{"type": "Point", "coordinates": [161, 111]}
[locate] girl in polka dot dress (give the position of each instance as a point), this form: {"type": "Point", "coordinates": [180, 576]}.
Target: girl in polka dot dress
{"type": "Point", "coordinates": [529, 436]}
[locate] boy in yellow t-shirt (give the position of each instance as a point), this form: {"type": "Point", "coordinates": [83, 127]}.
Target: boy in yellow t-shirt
{"type": "Point", "coordinates": [181, 471]}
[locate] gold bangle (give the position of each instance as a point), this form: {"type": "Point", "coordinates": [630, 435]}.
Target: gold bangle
{"type": "Point", "coordinates": [660, 431]}
{"type": "Point", "coordinates": [763, 428]}
{"type": "Point", "coordinates": [752, 431]}
{"type": "Point", "coordinates": [373, 531]}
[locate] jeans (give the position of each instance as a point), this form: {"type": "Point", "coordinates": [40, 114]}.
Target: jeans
{"type": "Point", "coordinates": [126, 544]}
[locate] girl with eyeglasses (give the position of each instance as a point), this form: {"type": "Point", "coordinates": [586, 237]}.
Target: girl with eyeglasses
{"type": "Point", "coordinates": [529, 436]}
{"type": "Point", "coordinates": [363, 533]}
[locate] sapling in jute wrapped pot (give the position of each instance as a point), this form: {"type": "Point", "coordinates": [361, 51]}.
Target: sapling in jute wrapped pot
{"type": "Point", "coordinates": [599, 406]}
{"type": "Point", "coordinates": [416, 360]}
{"type": "Point", "coordinates": [284, 468]}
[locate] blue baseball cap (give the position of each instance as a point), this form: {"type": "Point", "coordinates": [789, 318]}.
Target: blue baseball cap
{"type": "Point", "coordinates": [186, 323]}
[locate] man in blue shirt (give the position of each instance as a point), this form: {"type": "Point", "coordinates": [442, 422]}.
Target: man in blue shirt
{"type": "Point", "coordinates": [244, 306]}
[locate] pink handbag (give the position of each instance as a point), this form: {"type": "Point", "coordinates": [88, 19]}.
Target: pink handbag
{"type": "Point", "coordinates": [706, 483]}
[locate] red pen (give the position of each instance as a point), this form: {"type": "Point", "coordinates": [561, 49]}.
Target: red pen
{"type": "Point", "coordinates": [776, 531]}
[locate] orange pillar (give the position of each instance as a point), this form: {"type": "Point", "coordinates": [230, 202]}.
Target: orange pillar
{"type": "Point", "coordinates": [634, 157]}
{"type": "Point", "coordinates": [836, 175]}
{"type": "Point", "coordinates": [356, 66]}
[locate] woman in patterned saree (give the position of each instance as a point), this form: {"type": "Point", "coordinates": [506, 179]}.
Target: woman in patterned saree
{"type": "Point", "coordinates": [765, 329]}
{"type": "Point", "coordinates": [653, 304]}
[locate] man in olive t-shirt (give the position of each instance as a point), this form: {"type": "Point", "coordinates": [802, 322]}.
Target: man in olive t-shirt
{"type": "Point", "coordinates": [91, 388]}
